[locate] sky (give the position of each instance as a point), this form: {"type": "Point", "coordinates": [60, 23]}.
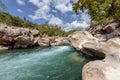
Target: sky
{"type": "Point", "coordinates": [55, 12]}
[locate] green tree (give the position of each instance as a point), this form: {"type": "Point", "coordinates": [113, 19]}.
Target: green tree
{"type": "Point", "coordinates": [99, 10]}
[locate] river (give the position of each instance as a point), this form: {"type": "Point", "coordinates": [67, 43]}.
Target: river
{"type": "Point", "coordinates": [50, 63]}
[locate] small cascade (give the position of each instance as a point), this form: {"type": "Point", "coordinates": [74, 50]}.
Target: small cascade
{"type": "Point", "coordinates": [52, 44]}
{"type": "Point", "coordinates": [65, 41]}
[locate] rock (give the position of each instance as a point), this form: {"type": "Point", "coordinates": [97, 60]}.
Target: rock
{"type": "Point", "coordinates": [35, 32]}
{"type": "Point", "coordinates": [16, 37]}
{"type": "Point", "coordinates": [109, 67]}
{"type": "Point", "coordinates": [44, 42]}
{"type": "Point", "coordinates": [105, 32]}
{"type": "Point", "coordinates": [79, 38]}
{"type": "Point", "coordinates": [60, 41]}
{"type": "Point", "coordinates": [100, 49]}
{"type": "Point", "coordinates": [93, 49]}
{"type": "Point", "coordinates": [3, 48]}
{"type": "Point", "coordinates": [23, 41]}
{"type": "Point", "coordinates": [86, 43]}
{"type": "Point", "coordinates": [103, 44]}
{"type": "Point", "coordinates": [101, 70]}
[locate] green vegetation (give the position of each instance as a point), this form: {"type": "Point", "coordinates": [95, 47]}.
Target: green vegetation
{"type": "Point", "coordinates": [45, 29]}
{"type": "Point", "coordinates": [101, 11]}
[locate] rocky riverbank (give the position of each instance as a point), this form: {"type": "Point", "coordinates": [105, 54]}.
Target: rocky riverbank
{"type": "Point", "coordinates": [17, 37]}
{"type": "Point", "coordinates": [101, 43]}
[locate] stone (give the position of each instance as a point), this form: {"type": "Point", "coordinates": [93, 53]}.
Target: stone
{"type": "Point", "coordinates": [17, 37]}
{"type": "Point", "coordinates": [3, 48]}
{"type": "Point", "coordinates": [109, 67]}
{"type": "Point", "coordinates": [45, 42]}
{"type": "Point", "coordinates": [59, 41]}
{"type": "Point", "coordinates": [105, 32]}
{"type": "Point", "coordinates": [79, 38]}
{"type": "Point", "coordinates": [107, 51]}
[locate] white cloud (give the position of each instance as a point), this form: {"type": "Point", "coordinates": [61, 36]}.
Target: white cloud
{"type": "Point", "coordinates": [63, 5]}
{"type": "Point", "coordinates": [44, 12]}
{"type": "Point", "coordinates": [20, 2]}
{"type": "Point", "coordinates": [68, 26]}
{"type": "Point", "coordinates": [76, 25]}
{"type": "Point", "coordinates": [85, 17]}
{"type": "Point", "coordinates": [55, 20]}
{"type": "Point", "coordinates": [43, 9]}
{"type": "Point", "coordinates": [83, 23]}
{"type": "Point", "coordinates": [19, 10]}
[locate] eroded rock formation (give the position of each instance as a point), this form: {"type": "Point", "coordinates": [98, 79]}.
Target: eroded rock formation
{"type": "Point", "coordinates": [105, 32]}
{"type": "Point", "coordinates": [16, 37]}
{"type": "Point", "coordinates": [107, 49]}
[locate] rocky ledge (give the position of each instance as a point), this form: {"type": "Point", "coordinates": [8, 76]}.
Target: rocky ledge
{"type": "Point", "coordinates": [104, 46]}
{"type": "Point", "coordinates": [17, 37]}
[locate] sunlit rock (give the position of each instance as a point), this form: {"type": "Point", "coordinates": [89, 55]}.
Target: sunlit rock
{"type": "Point", "coordinates": [16, 37]}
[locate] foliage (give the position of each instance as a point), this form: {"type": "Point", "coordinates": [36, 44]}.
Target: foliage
{"type": "Point", "coordinates": [50, 30]}
{"type": "Point", "coordinates": [99, 10]}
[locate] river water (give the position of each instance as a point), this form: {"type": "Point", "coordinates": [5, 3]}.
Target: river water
{"type": "Point", "coordinates": [53, 63]}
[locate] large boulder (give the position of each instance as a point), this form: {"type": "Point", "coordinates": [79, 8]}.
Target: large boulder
{"type": "Point", "coordinates": [16, 37]}
{"type": "Point", "coordinates": [79, 38]}
{"type": "Point", "coordinates": [93, 49]}
{"type": "Point", "coordinates": [100, 49]}
{"type": "Point", "coordinates": [86, 43]}
{"type": "Point", "coordinates": [102, 70]}
{"type": "Point", "coordinates": [109, 67]}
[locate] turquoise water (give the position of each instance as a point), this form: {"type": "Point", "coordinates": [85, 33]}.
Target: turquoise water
{"type": "Point", "coordinates": [55, 63]}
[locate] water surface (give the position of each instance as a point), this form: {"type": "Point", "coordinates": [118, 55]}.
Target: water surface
{"type": "Point", "coordinates": [54, 63]}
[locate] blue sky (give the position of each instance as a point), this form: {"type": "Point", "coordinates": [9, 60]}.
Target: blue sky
{"type": "Point", "coordinates": [57, 12]}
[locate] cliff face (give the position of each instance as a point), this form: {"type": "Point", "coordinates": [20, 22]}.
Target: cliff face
{"type": "Point", "coordinates": [101, 43]}
{"type": "Point", "coordinates": [16, 37]}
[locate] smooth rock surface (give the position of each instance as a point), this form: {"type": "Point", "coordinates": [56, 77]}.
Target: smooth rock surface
{"type": "Point", "coordinates": [108, 68]}
{"type": "Point", "coordinates": [79, 38]}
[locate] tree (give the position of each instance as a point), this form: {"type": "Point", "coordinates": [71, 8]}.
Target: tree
{"type": "Point", "coordinates": [99, 10]}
